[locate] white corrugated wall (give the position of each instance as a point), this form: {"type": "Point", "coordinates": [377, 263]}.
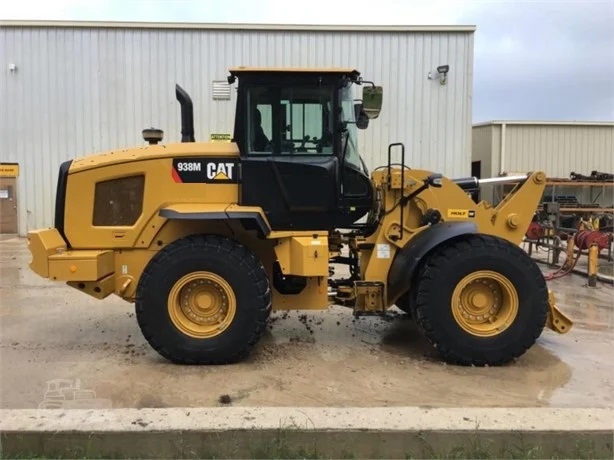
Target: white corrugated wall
{"type": "Point", "coordinates": [555, 148]}
{"type": "Point", "coordinates": [559, 149]}
{"type": "Point", "coordinates": [78, 90]}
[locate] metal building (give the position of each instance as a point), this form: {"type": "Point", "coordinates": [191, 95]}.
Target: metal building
{"type": "Point", "coordinates": [558, 148]}
{"type": "Point", "coordinates": [70, 89]}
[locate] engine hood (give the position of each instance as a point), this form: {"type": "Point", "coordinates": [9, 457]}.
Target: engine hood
{"type": "Point", "coordinates": [149, 152]}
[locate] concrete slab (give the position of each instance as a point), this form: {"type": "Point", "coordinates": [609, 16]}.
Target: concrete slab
{"type": "Point", "coordinates": [282, 432]}
{"type": "Point", "coordinates": [50, 332]}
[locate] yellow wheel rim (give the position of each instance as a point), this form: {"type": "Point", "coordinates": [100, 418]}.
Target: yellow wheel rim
{"type": "Point", "coordinates": [484, 303]}
{"type": "Point", "coordinates": [202, 305]}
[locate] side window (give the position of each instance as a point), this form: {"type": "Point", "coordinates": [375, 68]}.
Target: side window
{"type": "Point", "coordinates": [286, 120]}
{"type": "Point", "coordinates": [307, 121]}
{"type": "Point", "coordinates": [260, 122]}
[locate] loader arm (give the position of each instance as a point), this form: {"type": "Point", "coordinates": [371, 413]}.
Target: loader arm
{"type": "Point", "coordinates": [442, 213]}
{"type": "Point", "coordinates": [417, 219]}
{"type": "Point", "coordinates": [512, 216]}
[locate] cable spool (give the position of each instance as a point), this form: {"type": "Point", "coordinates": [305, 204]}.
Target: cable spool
{"type": "Point", "coordinates": [584, 239]}
{"type": "Point", "coordinates": [535, 231]}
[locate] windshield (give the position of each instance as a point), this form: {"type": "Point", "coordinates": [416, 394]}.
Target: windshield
{"type": "Point", "coordinates": [347, 114]}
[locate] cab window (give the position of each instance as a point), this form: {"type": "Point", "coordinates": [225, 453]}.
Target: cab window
{"type": "Point", "coordinates": [286, 120]}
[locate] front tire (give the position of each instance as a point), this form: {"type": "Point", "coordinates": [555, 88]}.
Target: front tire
{"type": "Point", "coordinates": [481, 301]}
{"type": "Point", "coordinates": [203, 300]}
{"type": "Point", "coordinates": [406, 302]}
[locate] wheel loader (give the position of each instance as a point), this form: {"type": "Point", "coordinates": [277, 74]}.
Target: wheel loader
{"type": "Point", "coordinates": [208, 238]}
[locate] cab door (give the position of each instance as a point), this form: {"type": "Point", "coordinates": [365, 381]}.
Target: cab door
{"type": "Point", "coordinates": [288, 165]}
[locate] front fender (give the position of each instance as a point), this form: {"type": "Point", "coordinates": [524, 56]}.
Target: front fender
{"type": "Point", "coordinates": [408, 258]}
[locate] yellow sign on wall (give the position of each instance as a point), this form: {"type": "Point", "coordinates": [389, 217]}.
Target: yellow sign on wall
{"type": "Point", "coordinates": [9, 169]}
{"type": "Point", "coordinates": [221, 137]}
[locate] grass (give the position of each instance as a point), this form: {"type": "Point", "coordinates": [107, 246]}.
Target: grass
{"type": "Point", "coordinates": [300, 445]}
{"type": "Point", "coordinates": [279, 448]}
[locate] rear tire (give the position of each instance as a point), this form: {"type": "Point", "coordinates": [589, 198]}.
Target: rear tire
{"type": "Point", "coordinates": [203, 300]}
{"type": "Point", "coordinates": [481, 301]}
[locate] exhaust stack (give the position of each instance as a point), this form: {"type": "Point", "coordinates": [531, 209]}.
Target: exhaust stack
{"type": "Point", "coordinates": [187, 114]}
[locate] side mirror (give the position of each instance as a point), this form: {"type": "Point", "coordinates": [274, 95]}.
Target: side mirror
{"type": "Point", "coordinates": [362, 120]}
{"type": "Point", "coordinates": [372, 97]}
{"type": "Point", "coordinates": [357, 109]}
{"type": "Point", "coordinates": [435, 180]}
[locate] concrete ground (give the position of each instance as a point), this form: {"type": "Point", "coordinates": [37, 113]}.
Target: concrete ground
{"type": "Point", "coordinates": [49, 331]}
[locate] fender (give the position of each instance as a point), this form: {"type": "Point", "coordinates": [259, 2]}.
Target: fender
{"type": "Point", "coordinates": [408, 258]}
{"type": "Point", "coordinates": [251, 218]}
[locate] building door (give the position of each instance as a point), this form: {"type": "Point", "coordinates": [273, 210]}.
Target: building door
{"type": "Point", "coordinates": [8, 205]}
{"type": "Point", "coordinates": [476, 169]}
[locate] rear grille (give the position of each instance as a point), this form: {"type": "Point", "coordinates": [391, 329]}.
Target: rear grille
{"type": "Point", "coordinates": [118, 202]}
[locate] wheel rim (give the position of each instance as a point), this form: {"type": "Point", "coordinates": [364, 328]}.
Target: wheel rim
{"type": "Point", "coordinates": [202, 305]}
{"type": "Point", "coordinates": [485, 303]}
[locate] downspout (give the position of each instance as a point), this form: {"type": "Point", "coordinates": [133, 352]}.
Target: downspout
{"type": "Point", "coordinates": [502, 150]}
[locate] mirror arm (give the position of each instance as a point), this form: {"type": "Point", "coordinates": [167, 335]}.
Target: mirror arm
{"type": "Point", "coordinates": [361, 81]}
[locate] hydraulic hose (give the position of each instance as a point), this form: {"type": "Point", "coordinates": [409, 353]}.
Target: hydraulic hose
{"type": "Point", "coordinates": [561, 272]}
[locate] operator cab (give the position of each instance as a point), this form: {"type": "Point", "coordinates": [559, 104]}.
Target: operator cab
{"type": "Point", "coordinates": [297, 133]}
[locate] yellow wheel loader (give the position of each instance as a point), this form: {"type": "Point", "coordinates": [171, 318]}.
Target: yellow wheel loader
{"type": "Point", "coordinates": [207, 238]}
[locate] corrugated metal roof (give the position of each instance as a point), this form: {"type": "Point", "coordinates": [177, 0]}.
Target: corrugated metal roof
{"type": "Point", "coordinates": [544, 122]}
{"type": "Point", "coordinates": [239, 26]}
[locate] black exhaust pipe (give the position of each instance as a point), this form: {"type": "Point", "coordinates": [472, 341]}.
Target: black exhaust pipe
{"type": "Point", "coordinates": [187, 114]}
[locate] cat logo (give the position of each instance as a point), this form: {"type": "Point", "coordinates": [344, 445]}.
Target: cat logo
{"type": "Point", "coordinates": [220, 171]}
{"type": "Point", "coordinates": [205, 170]}
{"type": "Point", "coordinates": [460, 213]}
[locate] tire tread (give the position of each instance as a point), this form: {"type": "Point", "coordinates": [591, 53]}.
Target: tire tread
{"type": "Point", "coordinates": [429, 275]}
{"type": "Point", "coordinates": [241, 256]}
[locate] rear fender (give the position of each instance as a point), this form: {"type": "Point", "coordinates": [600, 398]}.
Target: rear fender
{"type": "Point", "coordinates": [408, 258]}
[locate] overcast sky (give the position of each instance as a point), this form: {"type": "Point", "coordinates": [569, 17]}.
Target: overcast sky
{"type": "Point", "coordinates": [539, 60]}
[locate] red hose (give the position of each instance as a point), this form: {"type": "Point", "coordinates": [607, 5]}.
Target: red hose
{"type": "Point", "coordinates": [580, 242]}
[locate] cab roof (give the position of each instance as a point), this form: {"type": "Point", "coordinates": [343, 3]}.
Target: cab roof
{"type": "Point", "coordinates": [235, 72]}
{"type": "Point", "coordinates": [335, 70]}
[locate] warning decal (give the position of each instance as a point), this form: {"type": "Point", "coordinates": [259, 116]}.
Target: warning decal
{"type": "Point", "coordinates": [223, 137]}
{"type": "Point", "coordinates": [205, 170]}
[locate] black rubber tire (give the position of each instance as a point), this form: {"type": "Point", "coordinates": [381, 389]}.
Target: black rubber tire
{"type": "Point", "coordinates": [228, 259]}
{"type": "Point", "coordinates": [436, 281]}
{"type": "Point", "coordinates": [406, 303]}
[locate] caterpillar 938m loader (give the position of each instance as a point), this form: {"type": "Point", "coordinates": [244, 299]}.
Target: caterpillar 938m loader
{"type": "Point", "coordinates": [207, 238]}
